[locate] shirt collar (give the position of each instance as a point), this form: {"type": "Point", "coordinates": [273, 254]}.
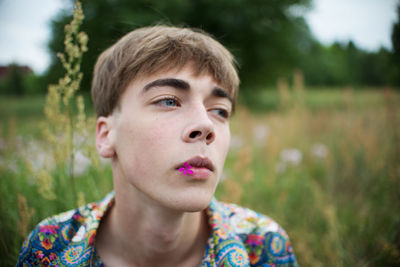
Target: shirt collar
{"type": "Point", "coordinates": [225, 240]}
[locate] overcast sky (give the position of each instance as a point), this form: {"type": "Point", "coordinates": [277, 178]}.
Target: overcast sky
{"type": "Point", "coordinates": [25, 31]}
{"type": "Point", "coordinates": [367, 22]}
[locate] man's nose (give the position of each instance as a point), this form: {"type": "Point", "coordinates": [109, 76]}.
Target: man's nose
{"type": "Point", "coordinates": [200, 128]}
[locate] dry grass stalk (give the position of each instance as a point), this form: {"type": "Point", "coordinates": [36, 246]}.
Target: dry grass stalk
{"type": "Point", "coordinates": [63, 123]}
{"type": "Point", "coordinates": [392, 122]}
{"type": "Point", "coordinates": [25, 215]}
{"type": "Point", "coordinates": [243, 165]}
{"type": "Point", "coordinates": [12, 133]}
{"type": "Point", "coordinates": [243, 160]}
{"type": "Point", "coordinates": [233, 191]}
{"type": "Point", "coordinates": [81, 199]}
{"type": "Point", "coordinates": [298, 86]}
{"type": "Point", "coordinates": [284, 94]}
{"type": "Point", "coordinates": [348, 97]}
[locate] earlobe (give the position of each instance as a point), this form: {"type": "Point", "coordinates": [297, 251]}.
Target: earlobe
{"type": "Point", "coordinates": [104, 137]}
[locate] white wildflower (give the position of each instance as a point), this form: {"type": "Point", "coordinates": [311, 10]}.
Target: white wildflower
{"type": "Point", "coordinates": [280, 167]}
{"type": "Point", "coordinates": [236, 142]}
{"type": "Point", "coordinates": [292, 156]}
{"type": "Point", "coordinates": [79, 140]}
{"type": "Point", "coordinates": [20, 142]}
{"type": "Point", "coordinates": [260, 134]}
{"type": "Point", "coordinates": [81, 163]}
{"type": "Point", "coordinates": [319, 151]}
{"type": "Point", "coordinates": [38, 157]}
{"type": "Point", "coordinates": [10, 165]}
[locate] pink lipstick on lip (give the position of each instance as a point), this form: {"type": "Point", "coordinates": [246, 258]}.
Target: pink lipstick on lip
{"type": "Point", "coordinates": [201, 173]}
{"type": "Point", "coordinates": [199, 167]}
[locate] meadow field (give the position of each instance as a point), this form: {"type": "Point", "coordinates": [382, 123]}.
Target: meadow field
{"type": "Point", "coordinates": [322, 162]}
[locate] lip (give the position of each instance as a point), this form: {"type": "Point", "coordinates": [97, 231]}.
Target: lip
{"type": "Point", "coordinates": [198, 164]}
{"type": "Point", "coordinates": [200, 173]}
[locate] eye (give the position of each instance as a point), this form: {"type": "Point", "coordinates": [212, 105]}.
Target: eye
{"type": "Point", "coordinates": [169, 101]}
{"type": "Point", "coordinates": [222, 112]}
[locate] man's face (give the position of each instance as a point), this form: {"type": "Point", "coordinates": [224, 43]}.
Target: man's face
{"type": "Point", "coordinates": [163, 121]}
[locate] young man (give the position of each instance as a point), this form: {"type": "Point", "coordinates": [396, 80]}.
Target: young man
{"type": "Point", "coordinates": [163, 97]}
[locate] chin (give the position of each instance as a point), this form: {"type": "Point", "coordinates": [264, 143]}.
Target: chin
{"type": "Point", "coordinates": [191, 202]}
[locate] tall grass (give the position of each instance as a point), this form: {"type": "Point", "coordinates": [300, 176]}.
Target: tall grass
{"type": "Point", "coordinates": [329, 176]}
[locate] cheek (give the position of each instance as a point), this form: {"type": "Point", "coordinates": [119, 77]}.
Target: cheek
{"type": "Point", "coordinates": [223, 145]}
{"type": "Point", "coordinates": [155, 140]}
{"type": "Point", "coordinates": [225, 139]}
{"type": "Point", "coordinates": [159, 133]}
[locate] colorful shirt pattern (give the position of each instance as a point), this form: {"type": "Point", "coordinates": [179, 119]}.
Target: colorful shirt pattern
{"type": "Point", "coordinates": [240, 237]}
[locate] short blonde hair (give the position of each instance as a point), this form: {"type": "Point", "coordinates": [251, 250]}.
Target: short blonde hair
{"type": "Point", "coordinates": [148, 50]}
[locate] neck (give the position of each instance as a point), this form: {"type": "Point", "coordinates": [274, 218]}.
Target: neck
{"type": "Point", "coordinates": [147, 234]}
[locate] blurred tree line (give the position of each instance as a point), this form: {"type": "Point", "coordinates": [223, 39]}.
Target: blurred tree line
{"type": "Point", "coordinates": [18, 80]}
{"type": "Point", "coordinates": [342, 64]}
{"type": "Point", "coordinates": [270, 39]}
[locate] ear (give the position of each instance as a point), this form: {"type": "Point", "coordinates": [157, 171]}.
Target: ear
{"type": "Point", "coordinates": [105, 137]}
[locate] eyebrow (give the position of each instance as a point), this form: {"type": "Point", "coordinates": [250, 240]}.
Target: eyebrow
{"type": "Point", "coordinates": [184, 86]}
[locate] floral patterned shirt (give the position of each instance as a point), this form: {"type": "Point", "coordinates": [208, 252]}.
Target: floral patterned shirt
{"type": "Point", "coordinates": [239, 237]}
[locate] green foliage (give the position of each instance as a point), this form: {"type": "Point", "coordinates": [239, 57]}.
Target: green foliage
{"type": "Point", "coordinates": [263, 35]}
{"type": "Point", "coordinates": [21, 82]}
{"type": "Point", "coordinates": [16, 82]}
{"type": "Point", "coordinates": [395, 72]}
{"type": "Point", "coordinates": [345, 64]}
{"type": "Point", "coordinates": [267, 38]}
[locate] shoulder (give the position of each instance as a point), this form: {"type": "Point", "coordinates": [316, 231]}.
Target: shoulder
{"type": "Point", "coordinates": [65, 239]}
{"type": "Point", "coordinates": [264, 240]}
{"type": "Point", "coordinates": [245, 221]}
